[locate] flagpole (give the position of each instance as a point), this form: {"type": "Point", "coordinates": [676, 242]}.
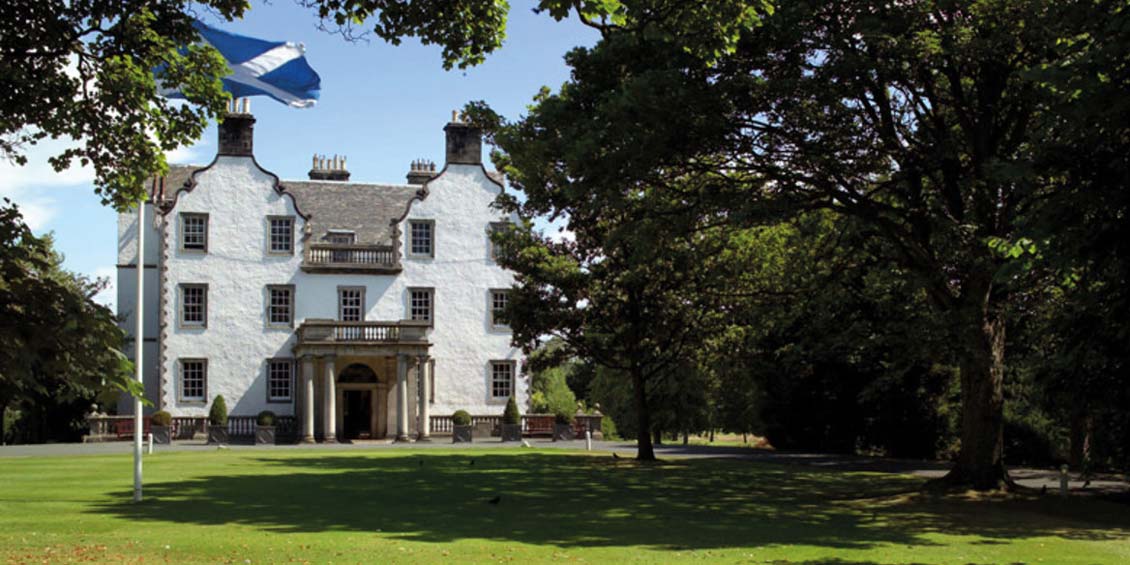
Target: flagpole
{"type": "Point", "coordinates": [138, 347]}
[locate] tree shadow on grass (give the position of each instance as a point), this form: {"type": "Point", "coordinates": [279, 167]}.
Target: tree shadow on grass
{"type": "Point", "coordinates": [572, 501]}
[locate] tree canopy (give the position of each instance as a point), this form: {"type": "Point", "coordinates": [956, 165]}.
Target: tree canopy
{"type": "Point", "coordinates": [83, 70]}
{"type": "Point", "coordinates": [61, 349]}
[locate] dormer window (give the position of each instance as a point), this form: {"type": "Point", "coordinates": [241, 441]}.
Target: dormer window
{"type": "Point", "coordinates": [194, 232]}
{"type": "Point", "coordinates": [421, 238]}
{"type": "Point", "coordinates": [341, 237]}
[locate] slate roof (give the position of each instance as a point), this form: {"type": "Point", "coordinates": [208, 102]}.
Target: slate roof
{"type": "Point", "coordinates": [365, 209]}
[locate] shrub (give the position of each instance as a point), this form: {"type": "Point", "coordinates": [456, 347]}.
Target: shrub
{"type": "Point", "coordinates": [551, 393]}
{"type": "Point", "coordinates": [461, 418]}
{"type": "Point", "coordinates": [608, 428]}
{"type": "Point", "coordinates": [266, 418]}
{"type": "Point", "coordinates": [511, 415]}
{"type": "Point", "coordinates": [218, 415]}
{"type": "Point", "coordinates": [161, 418]}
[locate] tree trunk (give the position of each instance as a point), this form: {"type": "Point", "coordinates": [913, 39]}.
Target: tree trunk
{"type": "Point", "coordinates": [1082, 427]}
{"type": "Point", "coordinates": [643, 439]}
{"type": "Point", "coordinates": [3, 415]}
{"type": "Point", "coordinates": [980, 462]}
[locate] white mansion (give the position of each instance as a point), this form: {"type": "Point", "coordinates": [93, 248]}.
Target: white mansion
{"type": "Point", "coordinates": [359, 309]}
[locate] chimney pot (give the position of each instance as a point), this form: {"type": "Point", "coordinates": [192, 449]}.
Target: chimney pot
{"type": "Point", "coordinates": [420, 171]}
{"type": "Point", "coordinates": [329, 168]}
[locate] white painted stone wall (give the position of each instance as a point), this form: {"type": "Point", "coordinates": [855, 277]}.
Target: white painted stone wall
{"type": "Point", "coordinates": [237, 342]}
{"type": "Point", "coordinates": [127, 299]}
{"type": "Point", "coordinates": [462, 273]}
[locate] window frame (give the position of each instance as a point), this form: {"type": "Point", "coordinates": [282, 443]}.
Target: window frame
{"type": "Point", "coordinates": [513, 384]}
{"type": "Point", "coordinates": [360, 307]}
{"type": "Point", "coordinates": [181, 221]}
{"type": "Point", "coordinates": [271, 288]}
{"type": "Point", "coordinates": [431, 292]}
{"type": "Point", "coordinates": [290, 364]}
{"type": "Point", "coordinates": [181, 322]}
{"type": "Point", "coordinates": [492, 311]}
{"type": "Point", "coordinates": [271, 236]}
{"type": "Point", "coordinates": [181, 397]}
{"type": "Point", "coordinates": [411, 239]}
{"type": "Point", "coordinates": [493, 228]}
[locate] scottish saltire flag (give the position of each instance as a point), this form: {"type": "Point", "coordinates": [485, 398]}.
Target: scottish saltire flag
{"type": "Point", "coordinates": [262, 68]}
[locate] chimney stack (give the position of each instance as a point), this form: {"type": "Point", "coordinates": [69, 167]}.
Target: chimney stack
{"type": "Point", "coordinates": [421, 171]}
{"type": "Point", "coordinates": [464, 142]}
{"type": "Point", "coordinates": [237, 130]}
{"type": "Point", "coordinates": [328, 169]}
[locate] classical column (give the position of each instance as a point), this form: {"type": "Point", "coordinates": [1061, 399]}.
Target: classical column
{"type": "Point", "coordinates": [331, 401]}
{"type": "Point", "coordinates": [401, 398]}
{"type": "Point", "coordinates": [424, 373]}
{"type": "Point", "coordinates": [308, 399]}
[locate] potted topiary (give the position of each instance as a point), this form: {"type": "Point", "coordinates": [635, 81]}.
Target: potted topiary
{"type": "Point", "coordinates": [161, 426]}
{"type": "Point", "coordinates": [511, 421]}
{"type": "Point", "coordinates": [265, 428]}
{"type": "Point", "coordinates": [218, 421]}
{"type": "Point", "coordinates": [563, 427]}
{"type": "Point", "coordinates": [461, 427]}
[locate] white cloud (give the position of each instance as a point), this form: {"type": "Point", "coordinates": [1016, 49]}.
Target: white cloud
{"type": "Point", "coordinates": [36, 187]}
{"type": "Point", "coordinates": [32, 186]}
{"type": "Point", "coordinates": [109, 295]}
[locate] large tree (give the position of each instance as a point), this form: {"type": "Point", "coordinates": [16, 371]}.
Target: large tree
{"type": "Point", "coordinates": [82, 70]}
{"type": "Point", "coordinates": [923, 121]}
{"type": "Point", "coordinates": [61, 349]}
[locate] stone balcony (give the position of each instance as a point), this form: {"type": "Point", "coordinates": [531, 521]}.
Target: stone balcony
{"type": "Point", "coordinates": [320, 337]}
{"type": "Point", "coordinates": [350, 258]}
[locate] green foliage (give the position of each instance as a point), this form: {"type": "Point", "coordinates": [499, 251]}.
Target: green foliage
{"type": "Point", "coordinates": [608, 428]}
{"type": "Point", "coordinates": [563, 417]}
{"type": "Point", "coordinates": [218, 414]}
{"type": "Point", "coordinates": [467, 32]}
{"type": "Point", "coordinates": [461, 418]}
{"type": "Point", "coordinates": [83, 71]}
{"type": "Point", "coordinates": [511, 415]}
{"type": "Point", "coordinates": [945, 132]}
{"type": "Point", "coordinates": [266, 418]}
{"type": "Point", "coordinates": [61, 350]}
{"type": "Point", "coordinates": [550, 394]}
{"type": "Point", "coordinates": [161, 418]}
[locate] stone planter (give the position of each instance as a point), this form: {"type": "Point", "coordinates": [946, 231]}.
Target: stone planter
{"type": "Point", "coordinates": [264, 435]}
{"type": "Point", "coordinates": [162, 435]}
{"type": "Point", "coordinates": [511, 432]}
{"type": "Point", "coordinates": [483, 429]}
{"type": "Point", "coordinates": [563, 432]}
{"type": "Point", "coordinates": [217, 434]}
{"type": "Point", "coordinates": [461, 434]}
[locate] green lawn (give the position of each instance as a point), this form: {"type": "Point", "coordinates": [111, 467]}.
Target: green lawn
{"type": "Point", "coordinates": [431, 505]}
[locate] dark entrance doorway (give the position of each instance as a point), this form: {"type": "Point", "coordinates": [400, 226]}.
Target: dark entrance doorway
{"type": "Point", "coordinates": [358, 388]}
{"type": "Point", "coordinates": [358, 414]}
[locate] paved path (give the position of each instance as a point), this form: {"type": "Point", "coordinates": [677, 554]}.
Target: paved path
{"type": "Point", "coordinates": [1112, 485]}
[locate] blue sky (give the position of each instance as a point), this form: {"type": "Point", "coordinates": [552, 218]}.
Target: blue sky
{"type": "Point", "coordinates": [381, 106]}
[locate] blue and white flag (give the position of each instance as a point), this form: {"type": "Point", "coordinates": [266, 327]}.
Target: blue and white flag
{"type": "Point", "coordinates": [262, 68]}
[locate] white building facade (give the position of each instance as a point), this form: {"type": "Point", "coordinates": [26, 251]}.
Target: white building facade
{"type": "Point", "coordinates": [360, 309]}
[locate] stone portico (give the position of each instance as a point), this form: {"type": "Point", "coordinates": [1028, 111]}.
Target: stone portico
{"type": "Point", "coordinates": [363, 380]}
